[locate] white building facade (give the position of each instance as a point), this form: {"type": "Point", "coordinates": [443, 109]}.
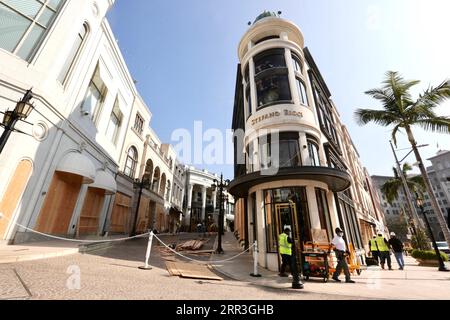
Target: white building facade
{"type": "Point", "coordinates": [89, 133]}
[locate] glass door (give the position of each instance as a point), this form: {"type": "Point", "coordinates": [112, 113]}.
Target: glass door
{"type": "Point", "coordinates": [286, 215]}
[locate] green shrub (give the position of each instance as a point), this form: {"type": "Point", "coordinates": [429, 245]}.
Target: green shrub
{"type": "Point", "coordinates": [427, 255]}
{"type": "Point", "coordinates": [420, 241]}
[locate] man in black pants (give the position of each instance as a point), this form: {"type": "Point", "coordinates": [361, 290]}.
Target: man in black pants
{"type": "Point", "coordinates": [341, 253]}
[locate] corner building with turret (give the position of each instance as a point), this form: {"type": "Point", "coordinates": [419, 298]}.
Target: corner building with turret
{"type": "Point", "coordinates": [295, 162]}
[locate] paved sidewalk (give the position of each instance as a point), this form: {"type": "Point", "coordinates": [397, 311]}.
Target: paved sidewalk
{"type": "Point", "coordinates": [31, 251]}
{"type": "Point", "coordinates": [36, 251]}
{"type": "Point", "coordinates": [413, 283]}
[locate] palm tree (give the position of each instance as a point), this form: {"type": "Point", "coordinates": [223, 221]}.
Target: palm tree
{"type": "Point", "coordinates": [401, 112]}
{"type": "Point", "coordinates": [390, 189]}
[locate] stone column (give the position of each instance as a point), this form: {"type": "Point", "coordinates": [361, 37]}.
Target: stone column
{"type": "Point", "coordinates": [203, 203]}
{"type": "Point", "coordinates": [292, 77]}
{"type": "Point", "coordinates": [214, 195]}
{"type": "Point", "coordinates": [190, 189]}
{"type": "Point", "coordinates": [313, 208]}
{"type": "Point", "coordinates": [306, 160]}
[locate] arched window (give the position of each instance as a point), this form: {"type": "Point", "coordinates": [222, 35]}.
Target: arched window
{"type": "Point", "coordinates": [156, 177]}
{"type": "Point", "coordinates": [298, 66]}
{"type": "Point", "coordinates": [313, 149]}
{"type": "Point", "coordinates": [302, 92]}
{"type": "Point", "coordinates": [73, 54]}
{"type": "Point", "coordinates": [131, 163]}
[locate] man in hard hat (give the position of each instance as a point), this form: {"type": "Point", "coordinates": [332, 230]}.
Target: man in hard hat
{"type": "Point", "coordinates": [385, 254]}
{"type": "Point", "coordinates": [341, 253]}
{"type": "Point", "coordinates": [397, 247]}
{"type": "Point", "coordinates": [374, 249]}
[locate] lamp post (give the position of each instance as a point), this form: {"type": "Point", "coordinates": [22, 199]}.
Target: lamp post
{"type": "Point", "coordinates": [296, 284]}
{"type": "Point", "coordinates": [220, 185]}
{"type": "Point", "coordinates": [10, 118]}
{"type": "Point", "coordinates": [419, 202]}
{"type": "Point", "coordinates": [139, 184]}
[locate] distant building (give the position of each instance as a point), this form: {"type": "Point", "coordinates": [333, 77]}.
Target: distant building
{"type": "Point", "coordinates": [439, 174]}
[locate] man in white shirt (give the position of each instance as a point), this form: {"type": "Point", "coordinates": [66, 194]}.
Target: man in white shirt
{"type": "Point", "coordinates": [341, 252]}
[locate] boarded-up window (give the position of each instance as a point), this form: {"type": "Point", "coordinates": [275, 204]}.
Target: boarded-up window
{"type": "Point", "coordinates": [121, 213]}
{"type": "Point", "coordinates": [90, 214]}
{"type": "Point", "coordinates": [13, 193]}
{"type": "Point", "coordinates": [59, 203]}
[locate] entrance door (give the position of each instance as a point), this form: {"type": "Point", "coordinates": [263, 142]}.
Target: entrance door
{"type": "Point", "coordinates": [286, 215]}
{"type": "Point", "coordinates": [59, 204]}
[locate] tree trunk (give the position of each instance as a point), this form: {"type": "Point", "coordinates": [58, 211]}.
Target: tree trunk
{"type": "Point", "coordinates": [426, 178]}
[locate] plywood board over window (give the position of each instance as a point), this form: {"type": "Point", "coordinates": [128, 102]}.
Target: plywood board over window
{"type": "Point", "coordinates": [120, 214]}
{"type": "Point", "coordinates": [59, 203]}
{"type": "Point", "coordinates": [90, 214]}
{"type": "Point", "coordinates": [144, 215]}
{"type": "Point", "coordinates": [13, 193]}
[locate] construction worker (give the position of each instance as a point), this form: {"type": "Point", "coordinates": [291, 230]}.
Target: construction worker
{"type": "Point", "coordinates": [285, 250]}
{"type": "Point", "coordinates": [384, 252]}
{"type": "Point", "coordinates": [374, 248]}
{"type": "Point", "coordinates": [341, 252]}
{"type": "Point", "coordinates": [397, 247]}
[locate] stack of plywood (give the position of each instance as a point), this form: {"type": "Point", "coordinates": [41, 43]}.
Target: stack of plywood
{"type": "Point", "coordinates": [192, 271]}
{"type": "Point", "coordinates": [191, 245]}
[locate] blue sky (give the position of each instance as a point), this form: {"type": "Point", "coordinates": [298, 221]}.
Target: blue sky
{"type": "Point", "coordinates": [183, 53]}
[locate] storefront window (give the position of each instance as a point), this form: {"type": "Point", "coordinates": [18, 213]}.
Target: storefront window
{"type": "Point", "coordinates": [272, 89]}
{"type": "Point", "coordinates": [272, 82]}
{"type": "Point", "coordinates": [287, 146]}
{"type": "Point", "coordinates": [324, 212]}
{"type": "Point", "coordinates": [269, 59]}
{"type": "Point", "coordinates": [285, 196]}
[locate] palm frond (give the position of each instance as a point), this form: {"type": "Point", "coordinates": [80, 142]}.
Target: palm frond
{"type": "Point", "coordinates": [381, 117]}
{"type": "Point", "coordinates": [419, 182]}
{"type": "Point", "coordinates": [437, 124]}
{"type": "Point", "coordinates": [434, 96]}
{"type": "Point", "coordinates": [390, 189]}
{"type": "Point", "coordinates": [395, 131]}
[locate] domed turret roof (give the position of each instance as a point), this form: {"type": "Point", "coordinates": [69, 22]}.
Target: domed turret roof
{"type": "Point", "coordinates": [266, 14]}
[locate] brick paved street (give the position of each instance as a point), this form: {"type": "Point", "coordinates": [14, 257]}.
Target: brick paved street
{"type": "Point", "coordinates": [113, 273]}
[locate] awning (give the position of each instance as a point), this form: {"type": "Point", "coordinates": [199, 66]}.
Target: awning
{"type": "Point", "coordinates": [337, 180]}
{"type": "Point", "coordinates": [106, 182]}
{"type": "Point", "coordinates": [78, 164]}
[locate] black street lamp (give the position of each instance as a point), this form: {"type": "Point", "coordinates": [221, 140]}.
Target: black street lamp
{"type": "Point", "coordinates": [220, 186]}
{"type": "Point", "coordinates": [419, 202]}
{"type": "Point", "coordinates": [296, 284]}
{"type": "Point", "coordinates": [142, 184]}
{"type": "Point", "coordinates": [10, 118]}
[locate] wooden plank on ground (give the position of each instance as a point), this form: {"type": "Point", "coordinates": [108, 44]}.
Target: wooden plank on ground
{"type": "Point", "coordinates": [172, 268]}
{"type": "Point", "coordinates": [194, 271]}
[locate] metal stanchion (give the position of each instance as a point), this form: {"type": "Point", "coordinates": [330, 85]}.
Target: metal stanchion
{"type": "Point", "coordinates": [255, 262]}
{"type": "Point", "coordinates": [149, 251]}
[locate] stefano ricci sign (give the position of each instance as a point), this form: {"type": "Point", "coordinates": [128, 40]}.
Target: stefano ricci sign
{"type": "Point", "coordinates": [276, 114]}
